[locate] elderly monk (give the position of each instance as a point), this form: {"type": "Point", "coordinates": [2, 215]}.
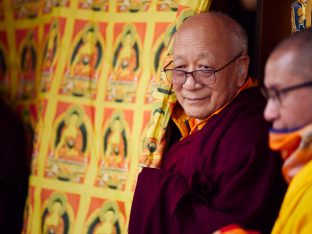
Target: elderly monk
{"type": "Point", "coordinates": [218, 168]}
{"type": "Point", "coordinates": [288, 82]}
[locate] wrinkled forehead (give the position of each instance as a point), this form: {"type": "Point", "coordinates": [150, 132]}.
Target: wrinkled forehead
{"type": "Point", "coordinates": [205, 36]}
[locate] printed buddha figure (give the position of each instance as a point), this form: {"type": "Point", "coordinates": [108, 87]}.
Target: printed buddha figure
{"type": "Point", "coordinates": [115, 152]}
{"type": "Point", "coordinates": [71, 142]}
{"type": "Point", "coordinates": [82, 72]}
{"type": "Point", "coordinates": [126, 62]}
{"type": "Point", "coordinates": [125, 75]}
{"type": "Point", "coordinates": [86, 57]}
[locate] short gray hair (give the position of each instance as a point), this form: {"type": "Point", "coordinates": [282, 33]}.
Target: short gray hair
{"type": "Point", "coordinates": [236, 32]}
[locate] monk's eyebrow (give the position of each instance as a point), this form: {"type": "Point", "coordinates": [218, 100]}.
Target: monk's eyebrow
{"type": "Point", "coordinates": [206, 55]}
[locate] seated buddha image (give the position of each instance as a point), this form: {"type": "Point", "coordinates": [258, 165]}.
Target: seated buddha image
{"type": "Point", "coordinates": [49, 56]}
{"type": "Point", "coordinates": [114, 163]}
{"type": "Point", "coordinates": [133, 5]}
{"type": "Point", "coordinates": [95, 5]}
{"type": "Point", "coordinates": [27, 68]}
{"type": "Point", "coordinates": [55, 218]}
{"type": "Point", "coordinates": [83, 72]}
{"type": "Point", "coordinates": [115, 144]}
{"type": "Point", "coordinates": [167, 5]}
{"type": "Point", "coordinates": [68, 156]}
{"type": "Point", "coordinates": [126, 68]}
{"type": "Point", "coordinates": [70, 143]}
{"type": "Point", "coordinates": [108, 221]}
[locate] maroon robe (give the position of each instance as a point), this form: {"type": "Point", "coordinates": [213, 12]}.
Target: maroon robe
{"type": "Point", "coordinates": [220, 175]}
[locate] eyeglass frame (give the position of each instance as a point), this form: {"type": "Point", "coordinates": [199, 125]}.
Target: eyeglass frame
{"type": "Point", "coordinates": [275, 94]}
{"type": "Point", "coordinates": [212, 70]}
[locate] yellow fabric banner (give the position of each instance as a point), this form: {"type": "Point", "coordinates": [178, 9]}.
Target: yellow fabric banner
{"type": "Point", "coordinates": [85, 76]}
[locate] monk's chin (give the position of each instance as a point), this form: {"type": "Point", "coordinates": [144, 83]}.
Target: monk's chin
{"type": "Point", "coordinates": [196, 114]}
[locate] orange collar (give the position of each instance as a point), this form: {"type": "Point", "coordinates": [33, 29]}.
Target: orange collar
{"type": "Point", "coordinates": [188, 126]}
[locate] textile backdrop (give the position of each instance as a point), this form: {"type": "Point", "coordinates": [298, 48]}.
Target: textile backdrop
{"type": "Point", "coordinates": [83, 75]}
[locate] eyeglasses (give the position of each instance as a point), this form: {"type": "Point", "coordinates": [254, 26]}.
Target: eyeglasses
{"type": "Point", "coordinates": [204, 77]}
{"type": "Point", "coordinates": [275, 94]}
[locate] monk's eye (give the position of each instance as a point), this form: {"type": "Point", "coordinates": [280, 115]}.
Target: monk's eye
{"type": "Point", "coordinates": [205, 67]}
{"type": "Point", "coordinates": [181, 67]}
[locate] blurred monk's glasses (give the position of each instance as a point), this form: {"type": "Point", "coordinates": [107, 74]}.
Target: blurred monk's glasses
{"type": "Point", "coordinates": [275, 94]}
{"type": "Point", "coordinates": [204, 77]}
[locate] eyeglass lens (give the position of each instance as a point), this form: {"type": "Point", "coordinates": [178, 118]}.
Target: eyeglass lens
{"type": "Point", "coordinates": [200, 76]}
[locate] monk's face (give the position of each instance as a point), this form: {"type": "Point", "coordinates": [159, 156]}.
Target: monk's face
{"type": "Point", "coordinates": [202, 43]}
{"type": "Point", "coordinates": [291, 109]}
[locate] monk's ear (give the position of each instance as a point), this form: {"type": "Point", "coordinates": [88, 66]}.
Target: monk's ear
{"type": "Point", "coordinates": [242, 69]}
